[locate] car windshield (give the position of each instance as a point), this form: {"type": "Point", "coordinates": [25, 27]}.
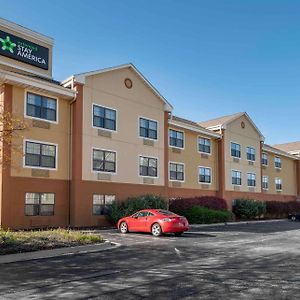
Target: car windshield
{"type": "Point", "coordinates": [166, 212]}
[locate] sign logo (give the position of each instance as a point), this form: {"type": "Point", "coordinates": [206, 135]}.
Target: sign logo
{"type": "Point", "coordinates": [7, 44]}
{"type": "Point", "coordinates": [23, 50]}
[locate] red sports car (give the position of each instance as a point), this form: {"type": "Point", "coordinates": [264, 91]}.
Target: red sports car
{"type": "Point", "coordinates": [156, 221]}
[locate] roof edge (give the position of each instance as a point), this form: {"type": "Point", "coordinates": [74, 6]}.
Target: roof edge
{"type": "Point", "coordinates": [80, 78]}
{"type": "Point", "coordinates": [195, 128]}
{"type": "Point", "coordinates": [279, 152]}
{"type": "Point", "coordinates": [26, 31]}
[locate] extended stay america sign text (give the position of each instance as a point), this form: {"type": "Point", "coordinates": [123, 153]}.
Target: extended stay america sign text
{"type": "Point", "coordinates": [22, 50]}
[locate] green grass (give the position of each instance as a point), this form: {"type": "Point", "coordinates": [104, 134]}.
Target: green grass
{"type": "Point", "coordinates": [25, 241]}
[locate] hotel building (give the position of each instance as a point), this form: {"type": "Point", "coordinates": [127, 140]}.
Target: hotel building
{"type": "Point", "coordinates": [105, 135]}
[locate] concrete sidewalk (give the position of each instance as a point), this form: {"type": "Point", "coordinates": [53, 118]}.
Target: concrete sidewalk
{"type": "Point", "coordinates": [17, 257]}
{"type": "Point", "coordinates": [236, 223]}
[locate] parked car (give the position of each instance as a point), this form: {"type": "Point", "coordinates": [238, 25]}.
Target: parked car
{"type": "Point", "coordinates": [294, 216]}
{"type": "Point", "coordinates": [156, 221]}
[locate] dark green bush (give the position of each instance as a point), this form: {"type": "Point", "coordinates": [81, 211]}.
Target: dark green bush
{"type": "Point", "coordinates": [131, 205]}
{"type": "Point", "coordinates": [248, 208]}
{"type": "Point", "coordinates": [203, 215]}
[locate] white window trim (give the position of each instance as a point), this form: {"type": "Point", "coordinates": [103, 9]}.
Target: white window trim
{"type": "Point", "coordinates": [183, 139]}
{"type": "Point", "coordinates": [104, 172]}
{"type": "Point", "coordinates": [251, 186]}
{"type": "Point", "coordinates": [104, 106]}
{"type": "Point", "coordinates": [147, 156]}
{"type": "Point", "coordinates": [178, 163]}
{"type": "Point", "coordinates": [146, 138]}
{"type": "Point", "coordinates": [278, 168]}
{"type": "Point", "coordinates": [54, 204]}
{"type": "Point", "coordinates": [211, 145]}
{"type": "Point", "coordinates": [231, 142]}
{"type": "Point", "coordinates": [267, 159]}
{"type": "Point", "coordinates": [232, 170]}
{"type": "Point", "coordinates": [211, 175]}
{"type": "Point", "coordinates": [45, 95]}
{"type": "Point", "coordinates": [96, 215]}
{"type": "Point", "coordinates": [262, 182]}
{"type": "Point", "coordinates": [254, 153]}
{"type": "Point", "coordinates": [278, 190]}
{"type": "Point", "coordinates": [40, 142]}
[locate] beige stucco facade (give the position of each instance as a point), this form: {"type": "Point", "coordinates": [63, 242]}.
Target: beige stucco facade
{"type": "Point", "coordinates": [108, 90]}
{"type": "Point", "coordinates": [57, 133]}
{"type": "Point", "coordinates": [247, 136]}
{"type": "Point", "coordinates": [193, 159]}
{"type": "Point", "coordinates": [287, 173]}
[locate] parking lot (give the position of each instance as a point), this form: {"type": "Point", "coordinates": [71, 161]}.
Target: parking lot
{"type": "Point", "coordinates": [245, 261]}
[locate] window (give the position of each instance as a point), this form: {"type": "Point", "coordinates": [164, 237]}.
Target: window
{"type": "Point", "coordinates": [277, 161]}
{"type": "Point", "coordinates": [265, 182]}
{"type": "Point", "coordinates": [251, 179]}
{"type": "Point", "coordinates": [39, 204]}
{"type": "Point", "coordinates": [41, 107]}
{"type": "Point", "coordinates": [148, 129]}
{"type": "Point", "coordinates": [102, 204]}
{"type": "Point", "coordinates": [176, 171]}
{"type": "Point", "coordinates": [104, 117]}
{"type": "Point", "coordinates": [236, 177]}
{"type": "Point", "coordinates": [204, 175]}
{"type": "Point", "coordinates": [278, 184]}
{"type": "Point", "coordinates": [176, 138]}
{"type": "Point", "coordinates": [264, 159]}
{"type": "Point", "coordinates": [40, 155]}
{"type": "Point", "coordinates": [251, 153]}
{"type": "Point", "coordinates": [204, 145]}
{"type": "Point", "coordinates": [104, 161]}
{"type": "Point", "coordinates": [165, 212]}
{"type": "Point", "coordinates": [235, 150]}
{"type": "Point", "coordinates": [148, 166]}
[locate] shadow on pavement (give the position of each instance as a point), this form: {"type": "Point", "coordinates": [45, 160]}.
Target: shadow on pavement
{"type": "Point", "coordinates": [264, 227]}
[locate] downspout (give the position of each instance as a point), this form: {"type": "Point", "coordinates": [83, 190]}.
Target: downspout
{"type": "Point", "coordinates": [70, 156]}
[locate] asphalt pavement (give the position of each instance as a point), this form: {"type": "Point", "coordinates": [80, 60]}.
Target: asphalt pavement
{"type": "Point", "coordinates": [245, 261]}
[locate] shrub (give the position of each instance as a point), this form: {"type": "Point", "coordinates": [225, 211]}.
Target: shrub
{"type": "Point", "coordinates": [179, 205]}
{"type": "Point", "coordinates": [248, 208]}
{"type": "Point", "coordinates": [278, 208]}
{"type": "Point", "coordinates": [120, 209]}
{"type": "Point", "coordinates": [203, 215]}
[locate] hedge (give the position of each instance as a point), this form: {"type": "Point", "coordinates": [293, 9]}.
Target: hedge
{"type": "Point", "coordinates": [281, 209]}
{"type": "Point", "coordinates": [120, 209]}
{"type": "Point", "coordinates": [179, 205]}
{"type": "Point", "coordinates": [248, 208]}
{"type": "Point", "coordinates": [203, 215]}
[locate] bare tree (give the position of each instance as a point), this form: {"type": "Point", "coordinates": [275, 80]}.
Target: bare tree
{"type": "Point", "coordinates": [11, 129]}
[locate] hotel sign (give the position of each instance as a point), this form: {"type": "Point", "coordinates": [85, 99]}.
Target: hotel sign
{"type": "Point", "coordinates": [23, 50]}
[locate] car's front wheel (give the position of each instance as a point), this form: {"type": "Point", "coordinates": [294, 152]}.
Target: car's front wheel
{"type": "Point", "coordinates": [156, 229]}
{"type": "Point", "coordinates": [123, 227]}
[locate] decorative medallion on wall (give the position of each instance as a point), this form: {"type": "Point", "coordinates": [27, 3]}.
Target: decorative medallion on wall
{"type": "Point", "coordinates": [243, 124]}
{"type": "Point", "coordinates": [128, 83]}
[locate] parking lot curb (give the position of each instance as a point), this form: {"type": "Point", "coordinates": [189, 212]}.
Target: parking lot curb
{"type": "Point", "coordinates": [236, 223]}
{"type": "Point", "coordinates": [42, 254]}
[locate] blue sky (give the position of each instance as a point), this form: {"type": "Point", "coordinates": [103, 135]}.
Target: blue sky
{"type": "Point", "coordinates": [208, 58]}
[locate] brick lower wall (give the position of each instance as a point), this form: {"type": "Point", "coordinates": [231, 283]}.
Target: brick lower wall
{"type": "Point", "coordinates": [189, 193]}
